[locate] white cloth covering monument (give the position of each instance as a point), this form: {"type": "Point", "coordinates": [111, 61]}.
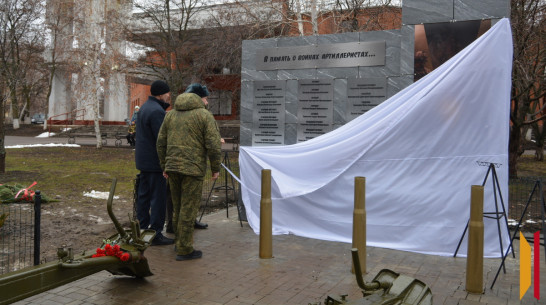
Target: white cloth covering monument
{"type": "Point", "coordinates": [420, 151]}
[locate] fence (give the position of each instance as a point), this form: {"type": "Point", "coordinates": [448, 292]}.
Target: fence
{"type": "Point", "coordinates": [519, 195]}
{"type": "Point", "coordinates": [16, 236]}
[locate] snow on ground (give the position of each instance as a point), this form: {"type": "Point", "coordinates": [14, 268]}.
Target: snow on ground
{"type": "Point", "coordinates": [98, 195]}
{"type": "Point", "coordinates": [45, 135]}
{"type": "Point", "coordinates": [50, 134]}
{"type": "Point", "coordinates": [43, 145]}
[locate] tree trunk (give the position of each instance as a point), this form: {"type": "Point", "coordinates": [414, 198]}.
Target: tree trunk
{"type": "Point", "coordinates": [514, 148]}
{"type": "Point", "coordinates": [2, 137]}
{"type": "Point", "coordinates": [314, 18]}
{"type": "Point", "coordinates": [539, 153]}
{"type": "Point", "coordinates": [2, 162]}
{"type": "Point", "coordinates": [2, 148]}
{"type": "Point", "coordinates": [300, 20]}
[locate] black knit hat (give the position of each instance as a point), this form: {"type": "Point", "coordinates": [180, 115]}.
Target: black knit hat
{"type": "Point", "coordinates": [198, 89]}
{"type": "Point", "coordinates": [159, 87]}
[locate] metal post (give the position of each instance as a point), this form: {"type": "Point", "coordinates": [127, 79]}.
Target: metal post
{"type": "Point", "coordinates": [474, 262]}
{"type": "Point", "coordinates": [226, 162]}
{"type": "Point", "coordinates": [266, 222]}
{"type": "Point", "coordinates": [359, 222]}
{"type": "Point", "coordinates": [37, 221]}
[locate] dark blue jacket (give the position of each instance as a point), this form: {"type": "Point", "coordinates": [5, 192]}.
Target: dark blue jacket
{"type": "Point", "coordinates": [150, 118]}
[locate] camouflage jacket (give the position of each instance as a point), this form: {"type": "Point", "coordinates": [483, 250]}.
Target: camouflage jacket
{"type": "Point", "coordinates": [188, 136]}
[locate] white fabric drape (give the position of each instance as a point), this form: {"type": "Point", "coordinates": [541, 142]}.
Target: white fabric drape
{"type": "Point", "coordinates": [419, 151]}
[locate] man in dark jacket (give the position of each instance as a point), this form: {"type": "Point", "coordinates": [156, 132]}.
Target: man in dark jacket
{"type": "Point", "coordinates": [184, 161]}
{"type": "Point", "coordinates": [152, 190]}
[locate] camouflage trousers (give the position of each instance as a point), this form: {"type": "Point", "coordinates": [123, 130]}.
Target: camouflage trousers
{"type": "Point", "coordinates": [186, 197]}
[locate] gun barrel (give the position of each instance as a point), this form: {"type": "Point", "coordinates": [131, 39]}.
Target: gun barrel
{"type": "Point", "coordinates": [118, 226]}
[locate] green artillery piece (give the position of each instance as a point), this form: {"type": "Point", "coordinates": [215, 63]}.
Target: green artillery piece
{"type": "Point", "coordinates": [387, 287]}
{"type": "Point", "coordinates": [21, 284]}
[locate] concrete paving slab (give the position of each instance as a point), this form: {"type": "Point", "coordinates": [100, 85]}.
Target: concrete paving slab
{"type": "Point", "coordinates": [302, 271]}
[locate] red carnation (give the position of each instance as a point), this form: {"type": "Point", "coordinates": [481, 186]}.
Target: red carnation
{"type": "Point", "coordinates": [110, 250]}
{"type": "Point", "coordinates": [125, 257]}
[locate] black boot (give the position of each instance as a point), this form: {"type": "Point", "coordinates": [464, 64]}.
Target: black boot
{"type": "Point", "coordinates": [161, 240]}
{"type": "Point", "coordinates": [200, 225]}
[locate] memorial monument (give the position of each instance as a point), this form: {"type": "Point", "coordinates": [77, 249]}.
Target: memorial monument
{"type": "Point", "coordinates": [296, 88]}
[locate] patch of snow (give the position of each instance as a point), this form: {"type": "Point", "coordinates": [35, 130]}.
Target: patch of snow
{"type": "Point", "coordinates": [98, 195]}
{"type": "Point", "coordinates": [43, 145]}
{"type": "Point", "coordinates": [98, 219]}
{"type": "Point", "coordinates": [45, 135]}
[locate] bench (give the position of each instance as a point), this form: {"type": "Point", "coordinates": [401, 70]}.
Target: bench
{"type": "Point", "coordinates": [73, 135]}
{"type": "Point", "coordinates": [119, 138]}
{"type": "Point", "coordinates": [118, 133]}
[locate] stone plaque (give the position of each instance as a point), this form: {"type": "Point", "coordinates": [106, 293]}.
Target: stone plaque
{"type": "Point", "coordinates": [268, 113]}
{"type": "Point", "coordinates": [315, 108]}
{"type": "Point", "coordinates": [363, 94]}
{"type": "Point", "coordinates": [220, 102]}
{"type": "Point", "coordinates": [351, 54]}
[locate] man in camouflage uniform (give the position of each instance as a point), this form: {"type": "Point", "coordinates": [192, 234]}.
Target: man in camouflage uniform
{"type": "Point", "coordinates": [188, 136]}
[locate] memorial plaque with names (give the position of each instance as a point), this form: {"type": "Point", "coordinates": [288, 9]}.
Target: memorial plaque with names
{"type": "Point", "coordinates": [363, 94]}
{"type": "Point", "coordinates": [268, 113]}
{"type": "Point", "coordinates": [315, 108]}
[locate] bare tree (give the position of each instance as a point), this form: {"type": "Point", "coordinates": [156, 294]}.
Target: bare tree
{"type": "Point", "coordinates": [313, 17]}
{"type": "Point", "coordinates": [272, 18]}
{"type": "Point", "coordinates": [33, 85]}
{"type": "Point", "coordinates": [528, 75]}
{"type": "Point", "coordinates": [20, 38]}
{"type": "Point", "coordinates": [87, 48]}
{"type": "Point", "coordinates": [230, 24]}
{"type": "Point", "coordinates": [89, 44]}
{"type": "Point", "coordinates": [59, 22]}
{"type": "Point", "coordinates": [20, 50]}
{"type": "Point", "coordinates": [366, 15]}
{"type": "Point", "coordinates": [166, 28]}
{"type": "Point", "coordinates": [227, 26]}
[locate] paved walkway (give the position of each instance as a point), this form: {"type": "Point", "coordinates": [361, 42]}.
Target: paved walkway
{"type": "Point", "coordinates": [303, 271]}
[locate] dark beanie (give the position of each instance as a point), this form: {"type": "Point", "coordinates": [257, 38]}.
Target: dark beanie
{"type": "Point", "coordinates": [198, 89]}
{"type": "Point", "coordinates": [159, 87]}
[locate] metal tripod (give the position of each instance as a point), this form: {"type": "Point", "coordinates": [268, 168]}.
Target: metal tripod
{"type": "Point", "coordinates": [493, 215]}
{"type": "Point", "coordinates": [227, 163]}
